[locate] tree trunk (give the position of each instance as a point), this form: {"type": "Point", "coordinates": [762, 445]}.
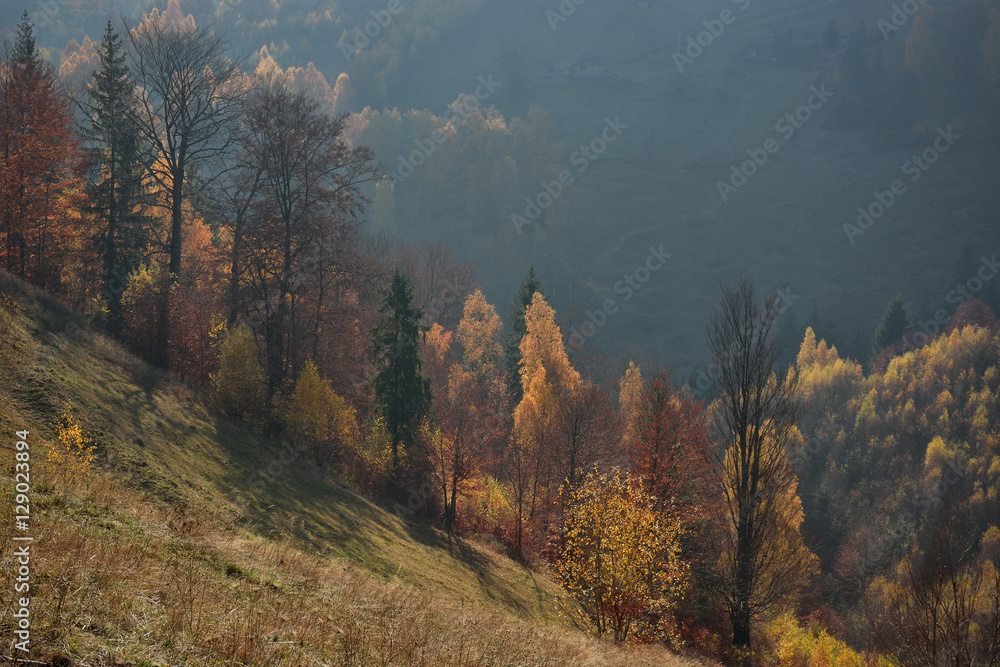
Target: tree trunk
{"type": "Point", "coordinates": [277, 365]}
{"type": "Point", "coordinates": [740, 619]}
{"type": "Point", "coordinates": [174, 270]}
{"type": "Point", "coordinates": [234, 272]}
{"type": "Point", "coordinates": [111, 255]}
{"type": "Point", "coordinates": [176, 217]}
{"type": "Point", "coordinates": [272, 343]}
{"type": "Point", "coordinates": [452, 508]}
{"type": "Point", "coordinates": [317, 329]}
{"type": "Point", "coordinates": [740, 613]}
{"type": "Point", "coordinates": [22, 239]}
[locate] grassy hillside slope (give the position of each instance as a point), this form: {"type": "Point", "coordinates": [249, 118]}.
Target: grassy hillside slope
{"type": "Point", "coordinates": [177, 550]}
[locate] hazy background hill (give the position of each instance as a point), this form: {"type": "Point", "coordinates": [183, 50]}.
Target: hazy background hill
{"type": "Point", "coordinates": [656, 183]}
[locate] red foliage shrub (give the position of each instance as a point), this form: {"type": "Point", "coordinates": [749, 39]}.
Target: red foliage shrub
{"type": "Point", "coordinates": [972, 313]}
{"type": "Point", "coordinates": [194, 325]}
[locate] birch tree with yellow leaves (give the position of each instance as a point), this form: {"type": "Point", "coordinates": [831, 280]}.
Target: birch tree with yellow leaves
{"type": "Point", "coordinates": [621, 560]}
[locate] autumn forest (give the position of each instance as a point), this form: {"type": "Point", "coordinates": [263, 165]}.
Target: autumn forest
{"type": "Point", "coordinates": [801, 508]}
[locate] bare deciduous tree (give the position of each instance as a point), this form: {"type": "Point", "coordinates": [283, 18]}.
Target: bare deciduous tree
{"type": "Point", "coordinates": [764, 560]}
{"type": "Point", "coordinates": [188, 97]}
{"type": "Point", "coordinates": [586, 429]}
{"type": "Point", "coordinates": [942, 608]}
{"type": "Point", "coordinates": [232, 196]}
{"type": "Point", "coordinates": [305, 220]}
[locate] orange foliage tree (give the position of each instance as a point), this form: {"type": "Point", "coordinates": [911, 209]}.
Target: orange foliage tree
{"type": "Point", "coordinates": [40, 162]}
{"type": "Point", "coordinates": [471, 409]}
{"type": "Point", "coordinates": [195, 307]}
{"type": "Point", "coordinates": [670, 450]}
{"type": "Point", "coordinates": [549, 382]}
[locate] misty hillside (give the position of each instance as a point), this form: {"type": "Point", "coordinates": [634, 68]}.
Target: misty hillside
{"type": "Point", "coordinates": [656, 184]}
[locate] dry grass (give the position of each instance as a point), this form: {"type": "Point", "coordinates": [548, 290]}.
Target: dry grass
{"type": "Point", "coordinates": [118, 580]}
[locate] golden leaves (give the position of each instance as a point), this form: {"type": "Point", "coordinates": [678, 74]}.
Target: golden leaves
{"type": "Point", "coordinates": [620, 559]}
{"type": "Point", "coordinates": [72, 455]}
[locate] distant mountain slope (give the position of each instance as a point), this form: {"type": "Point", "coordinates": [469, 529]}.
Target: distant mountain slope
{"type": "Point", "coordinates": [167, 556]}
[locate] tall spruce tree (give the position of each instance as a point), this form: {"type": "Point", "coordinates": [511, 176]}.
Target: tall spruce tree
{"type": "Point", "coordinates": [512, 339]}
{"type": "Point", "coordinates": [119, 160]}
{"type": "Point", "coordinates": [402, 391]}
{"type": "Point", "coordinates": [896, 322]}
{"type": "Point", "coordinates": [25, 51]}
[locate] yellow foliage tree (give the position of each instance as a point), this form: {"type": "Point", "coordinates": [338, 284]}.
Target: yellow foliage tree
{"type": "Point", "coordinates": [489, 506]}
{"type": "Point", "coordinates": [545, 366]}
{"type": "Point", "coordinates": [469, 413]}
{"type": "Point", "coordinates": [630, 402]}
{"type": "Point", "coordinates": [549, 382]}
{"type": "Point", "coordinates": [241, 383]}
{"type": "Point", "coordinates": [796, 646]}
{"type": "Point", "coordinates": [372, 464]}
{"type": "Point", "coordinates": [318, 415]}
{"type": "Point", "coordinates": [620, 560]}
{"type": "Point", "coordinates": [434, 352]}
{"type": "Point", "coordinates": [72, 455]}
{"type": "Point", "coordinates": [479, 334]}
{"type": "Point", "coordinates": [822, 378]}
